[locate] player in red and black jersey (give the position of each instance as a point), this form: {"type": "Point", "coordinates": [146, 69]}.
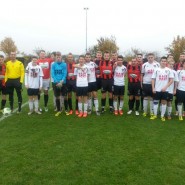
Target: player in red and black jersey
{"type": "Point", "coordinates": [71, 83]}
{"type": "Point", "coordinates": [134, 86]}
{"type": "Point", "coordinates": [2, 82]}
{"type": "Point", "coordinates": [106, 72]}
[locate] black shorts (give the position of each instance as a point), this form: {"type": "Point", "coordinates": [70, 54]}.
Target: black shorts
{"type": "Point", "coordinates": [82, 91]}
{"type": "Point", "coordinates": [12, 84]}
{"type": "Point", "coordinates": [169, 97]}
{"type": "Point", "coordinates": [98, 83]}
{"type": "Point", "coordinates": [119, 90]}
{"type": "Point", "coordinates": [147, 90]}
{"type": "Point", "coordinates": [134, 89]}
{"type": "Point", "coordinates": [160, 95]}
{"type": "Point", "coordinates": [107, 85]}
{"type": "Point", "coordinates": [180, 96]}
{"type": "Point", "coordinates": [71, 85]}
{"type": "Point", "coordinates": [92, 86]}
{"type": "Point", "coordinates": [60, 90]}
{"type": "Point", "coordinates": [32, 92]}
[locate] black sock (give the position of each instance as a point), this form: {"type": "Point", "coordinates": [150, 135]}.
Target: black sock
{"type": "Point", "coordinates": [66, 105]}
{"type": "Point", "coordinates": [110, 102]}
{"type": "Point", "coordinates": [137, 104]}
{"type": "Point", "coordinates": [46, 97]}
{"type": "Point", "coordinates": [176, 105]}
{"type": "Point", "coordinates": [76, 104]}
{"type": "Point", "coordinates": [38, 96]}
{"type": "Point", "coordinates": [19, 106]}
{"type": "Point", "coordinates": [58, 104]}
{"type": "Point", "coordinates": [131, 104]}
{"type": "Point", "coordinates": [141, 103]}
{"type": "Point", "coordinates": [70, 104]}
{"type": "Point", "coordinates": [103, 100]}
{"type": "Point", "coordinates": [3, 103]}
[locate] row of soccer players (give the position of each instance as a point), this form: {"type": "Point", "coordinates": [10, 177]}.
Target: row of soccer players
{"type": "Point", "coordinates": [104, 70]}
{"type": "Point", "coordinates": [156, 80]}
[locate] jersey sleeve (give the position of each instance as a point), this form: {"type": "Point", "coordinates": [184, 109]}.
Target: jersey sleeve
{"type": "Point", "coordinates": [75, 71]}
{"type": "Point", "coordinates": [143, 69]}
{"type": "Point", "coordinates": [176, 79]}
{"type": "Point", "coordinates": [26, 75]}
{"type": "Point", "coordinates": [154, 75]}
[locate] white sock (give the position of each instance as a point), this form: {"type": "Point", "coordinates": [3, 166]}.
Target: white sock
{"type": "Point", "coordinates": [179, 107]}
{"type": "Point", "coordinates": [85, 107]}
{"type": "Point", "coordinates": [115, 105]}
{"type": "Point", "coordinates": [151, 107]}
{"type": "Point", "coordinates": [36, 103]}
{"type": "Point", "coordinates": [121, 104]}
{"type": "Point", "coordinates": [145, 105]}
{"type": "Point", "coordinates": [160, 108]}
{"type": "Point", "coordinates": [80, 107]}
{"type": "Point", "coordinates": [89, 101]}
{"type": "Point", "coordinates": [31, 105]}
{"type": "Point", "coordinates": [96, 104]}
{"type": "Point", "coordinates": [169, 110]}
{"type": "Point", "coordinates": [163, 110]}
{"type": "Point", "coordinates": [155, 107]}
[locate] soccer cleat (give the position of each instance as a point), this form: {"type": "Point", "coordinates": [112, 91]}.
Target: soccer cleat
{"type": "Point", "coordinates": [97, 113]}
{"type": "Point", "coordinates": [153, 117]}
{"type": "Point", "coordinates": [67, 113]}
{"type": "Point", "coordinates": [80, 114]}
{"type": "Point", "coordinates": [176, 113]}
{"type": "Point", "coordinates": [129, 112]}
{"type": "Point", "coordinates": [29, 113]}
{"type": "Point", "coordinates": [89, 111]}
{"type": "Point", "coordinates": [144, 114]}
{"type": "Point", "coordinates": [85, 115]}
{"type": "Point", "coordinates": [71, 112]}
{"type": "Point", "coordinates": [102, 110]}
{"type": "Point", "coordinates": [38, 112]}
{"type": "Point", "coordinates": [137, 113]}
{"type": "Point", "coordinates": [55, 110]}
{"type": "Point", "coordinates": [115, 112]}
{"type": "Point", "coordinates": [120, 112]}
{"type": "Point", "coordinates": [46, 109]}
{"type": "Point", "coordinates": [151, 114]}
{"type": "Point", "coordinates": [58, 113]}
{"type": "Point", "coordinates": [169, 117]}
{"type": "Point", "coordinates": [111, 110]}
{"type": "Point", "coordinates": [40, 109]}
{"type": "Point", "coordinates": [180, 118]}
{"type": "Point", "coordinates": [76, 112]}
{"type": "Point", "coordinates": [163, 119]}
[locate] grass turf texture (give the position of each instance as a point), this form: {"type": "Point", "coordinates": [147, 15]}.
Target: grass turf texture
{"type": "Point", "coordinates": [44, 149]}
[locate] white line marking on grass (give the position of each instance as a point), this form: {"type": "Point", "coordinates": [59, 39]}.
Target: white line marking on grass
{"type": "Point", "coordinates": [23, 105]}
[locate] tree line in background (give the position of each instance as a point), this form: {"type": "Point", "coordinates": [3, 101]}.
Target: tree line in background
{"type": "Point", "coordinates": [103, 44]}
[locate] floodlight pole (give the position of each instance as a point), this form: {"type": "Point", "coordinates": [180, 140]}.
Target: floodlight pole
{"type": "Point", "coordinates": [86, 8]}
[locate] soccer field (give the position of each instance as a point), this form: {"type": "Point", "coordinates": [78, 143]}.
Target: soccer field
{"type": "Point", "coordinates": [66, 150]}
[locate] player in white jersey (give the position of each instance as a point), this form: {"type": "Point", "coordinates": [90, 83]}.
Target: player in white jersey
{"type": "Point", "coordinates": [181, 90]}
{"type": "Point", "coordinates": [162, 78]}
{"type": "Point", "coordinates": [33, 83]}
{"type": "Point", "coordinates": [82, 72]}
{"type": "Point", "coordinates": [92, 86]}
{"type": "Point", "coordinates": [146, 82]}
{"type": "Point", "coordinates": [119, 84]}
{"type": "Point", "coordinates": [172, 88]}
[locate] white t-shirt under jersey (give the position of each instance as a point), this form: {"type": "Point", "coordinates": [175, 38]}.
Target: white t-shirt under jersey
{"type": "Point", "coordinates": [119, 75]}
{"type": "Point", "coordinates": [181, 77]}
{"type": "Point", "coordinates": [82, 76]}
{"type": "Point", "coordinates": [147, 71]}
{"type": "Point", "coordinates": [33, 76]}
{"type": "Point", "coordinates": [92, 68]}
{"type": "Point", "coordinates": [171, 87]}
{"type": "Point", "coordinates": [161, 76]}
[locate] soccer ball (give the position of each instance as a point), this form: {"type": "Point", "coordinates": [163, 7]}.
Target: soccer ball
{"type": "Point", "coordinates": [6, 111]}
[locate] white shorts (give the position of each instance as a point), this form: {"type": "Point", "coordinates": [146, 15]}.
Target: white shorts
{"type": "Point", "coordinates": [46, 84]}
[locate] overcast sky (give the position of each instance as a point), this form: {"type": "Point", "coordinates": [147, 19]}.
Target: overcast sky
{"type": "Point", "coordinates": [59, 25]}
